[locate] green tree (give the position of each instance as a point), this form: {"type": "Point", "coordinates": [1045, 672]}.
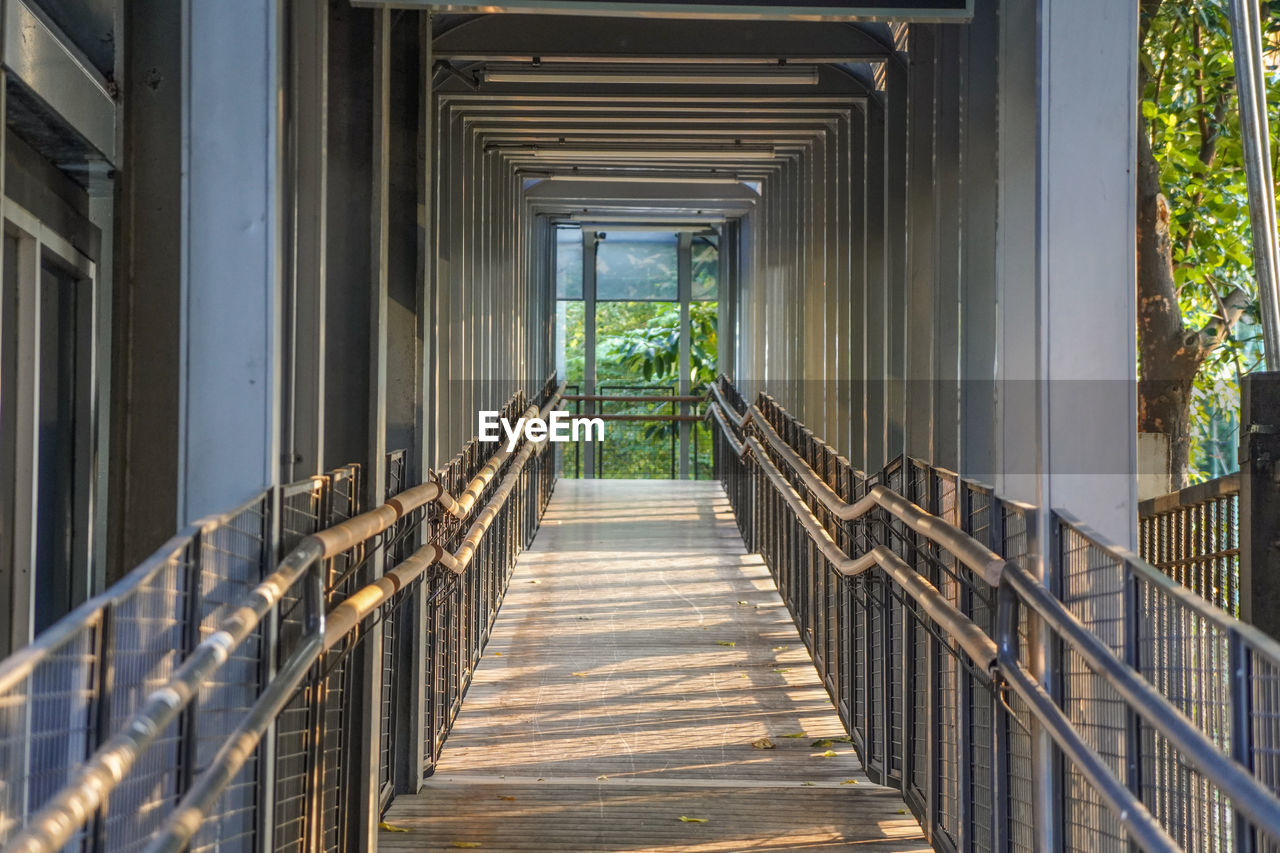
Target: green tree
{"type": "Point", "coordinates": [653, 350]}
{"type": "Point", "coordinates": [1196, 296]}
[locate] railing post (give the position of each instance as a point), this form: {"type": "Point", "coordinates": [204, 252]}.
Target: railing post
{"type": "Point", "coordinates": [1260, 501]}
{"type": "Point", "coordinates": [1132, 603]}
{"type": "Point", "coordinates": [102, 721]}
{"type": "Point", "coordinates": [1238, 660]}
{"type": "Point", "coordinates": [271, 551]}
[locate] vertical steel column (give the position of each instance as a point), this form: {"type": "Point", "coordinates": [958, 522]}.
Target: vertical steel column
{"type": "Point", "coordinates": [897, 231]}
{"type": "Point", "coordinates": [684, 290]}
{"type": "Point", "coordinates": [949, 72]}
{"type": "Point", "coordinates": [229, 406]}
{"type": "Point", "coordinates": [361, 762]}
{"type": "Point", "coordinates": [1251, 83]}
{"type": "Point", "coordinates": [146, 306]}
{"type": "Point", "coordinates": [412, 703]}
{"type": "Point", "coordinates": [920, 339]}
{"type": "Point", "coordinates": [875, 316]}
{"type": "Point", "coordinates": [590, 450]}
{"type": "Point", "coordinates": [1260, 502]}
{"type": "Point", "coordinates": [307, 181]}
{"type": "Point", "coordinates": [856, 378]}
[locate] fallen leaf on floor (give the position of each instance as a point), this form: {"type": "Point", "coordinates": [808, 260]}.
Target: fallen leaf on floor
{"type": "Point", "coordinates": [391, 827]}
{"type": "Point", "coordinates": [725, 643]}
{"type": "Point", "coordinates": [795, 734]}
{"type": "Point", "coordinates": [742, 675]}
{"type": "Point", "coordinates": [784, 669]}
{"type": "Point", "coordinates": [779, 648]}
{"type": "Point", "coordinates": [849, 782]}
{"type": "Point", "coordinates": [602, 778]}
{"type": "Point", "coordinates": [822, 742]}
{"type": "Point", "coordinates": [497, 654]}
{"type": "Point", "coordinates": [580, 675]}
{"type": "Point", "coordinates": [535, 581]}
{"type": "Point", "coordinates": [806, 785]}
{"type": "Point", "coordinates": [743, 603]}
{"type": "Point", "coordinates": [508, 799]}
{"type": "Point", "coordinates": [684, 819]}
{"type": "Point", "coordinates": [466, 845]}
{"type": "Point", "coordinates": [762, 743]}
{"type": "Point", "coordinates": [830, 753]}
{"type": "Point", "coordinates": [902, 811]}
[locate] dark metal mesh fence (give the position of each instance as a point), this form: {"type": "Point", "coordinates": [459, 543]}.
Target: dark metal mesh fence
{"type": "Point", "coordinates": [925, 718]}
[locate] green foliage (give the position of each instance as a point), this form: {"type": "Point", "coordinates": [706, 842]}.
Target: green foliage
{"type": "Point", "coordinates": [1189, 106]}
{"type": "Point", "coordinates": [652, 351]}
{"type": "Point", "coordinates": [638, 345]}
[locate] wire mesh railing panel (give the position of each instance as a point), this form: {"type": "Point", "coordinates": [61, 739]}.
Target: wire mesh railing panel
{"type": "Point", "coordinates": [985, 787]}
{"type": "Point", "coordinates": [1193, 536]}
{"type": "Point", "coordinates": [400, 545]}
{"type": "Point", "coordinates": [234, 557]}
{"type": "Point", "coordinates": [302, 512]}
{"type": "Point", "coordinates": [1093, 590]}
{"type": "Point", "coordinates": [1189, 662]}
{"type": "Point", "coordinates": [150, 635]}
{"type": "Point", "coordinates": [346, 572]}
{"type": "Point", "coordinates": [49, 724]}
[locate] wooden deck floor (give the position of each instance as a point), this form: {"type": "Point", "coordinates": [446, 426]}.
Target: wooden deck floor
{"type": "Point", "coordinates": [639, 653]}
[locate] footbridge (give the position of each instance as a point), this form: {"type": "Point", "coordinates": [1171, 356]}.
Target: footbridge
{"type": "Point", "coordinates": [860, 563]}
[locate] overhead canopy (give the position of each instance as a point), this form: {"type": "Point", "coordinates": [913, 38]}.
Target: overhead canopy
{"type": "Point", "coordinates": [831, 10]}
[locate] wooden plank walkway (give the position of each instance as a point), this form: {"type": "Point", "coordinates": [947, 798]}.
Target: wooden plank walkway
{"type": "Point", "coordinates": [639, 653]}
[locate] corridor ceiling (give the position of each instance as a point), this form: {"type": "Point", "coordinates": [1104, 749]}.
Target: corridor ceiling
{"type": "Point", "coordinates": [608, 120]}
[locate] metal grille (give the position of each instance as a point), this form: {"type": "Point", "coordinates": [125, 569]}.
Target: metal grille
{"type": "Point", "coordinates": [1193, 536]}
{"type": "Point", "coordinates": [86, 676]}
{"type": "Point", "coordinates": [1222, 676]}
{"type": "Point", "coordinates": [234, 558]}
{"type": "Point", "coordinates": [49, 723]}
{"type": "Point", "coordinates": [399, 547]}
{"type": "Point", "coordinates": [302, 512]}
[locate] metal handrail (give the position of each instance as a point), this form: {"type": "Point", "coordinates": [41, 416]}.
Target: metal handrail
{"type": "Point", "coordinates": [185, 821]}
{"type": "Point", "coordinates": [1247, 794]}
{"type": "Point", "coordinates": [76, 802]}
{"type": "Point", "coordinates": [739, 421]}
{"type": "Point", "coordinates": [19, 666]}
{"type": "Point", "coordinates": [1205, 610]}
{"type": "Point", "coordinates": [639, 398]}
{"type": "Point", "coordinates": [971, 638]}
{"type": "Point", "coordinates": [969, 551]}
{"type": "Point", "coordinates": [1017, 587]}
{"type": "Point", "coordinates": [1124, 803]}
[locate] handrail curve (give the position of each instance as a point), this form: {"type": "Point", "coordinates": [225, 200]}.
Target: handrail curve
{"type": "Point", "coordinates": [186, 819]}
{"type": "Point", "coordinates": [90, 784]}
{"type": "Point", "coordinates": [1016, 587]}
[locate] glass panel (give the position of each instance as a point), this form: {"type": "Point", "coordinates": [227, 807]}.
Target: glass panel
{"type": "Point", "coordinates": [568, 262]}
{"type": "Point", "coordinates": [706, 269]}
{"type": "Point", "coordinates": [570, 345]}
{"type": "Point", "coordinates": [636, 265]}
{"type": "Point", "coordinates": [59, 536]}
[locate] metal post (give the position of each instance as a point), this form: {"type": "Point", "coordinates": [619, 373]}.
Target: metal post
{"type": "Point", "coordinates": [412, 703]}
{"type": "Point", "coordinates": [1260, 502]}
{"type": "Point", "coordinates": [1244, 840]}
{"type": "Point", "coordinates": [1251, 83]}
{"type": "Point", "coordinates": [366, 664]}
{"type": "Point", "coordinates": [684, 289]}
{"type": "Point", "coordinates": [589, 450]}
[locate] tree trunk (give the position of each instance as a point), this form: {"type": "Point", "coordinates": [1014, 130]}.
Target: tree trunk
{"type": "Point", "coordinates": [1169, 354]}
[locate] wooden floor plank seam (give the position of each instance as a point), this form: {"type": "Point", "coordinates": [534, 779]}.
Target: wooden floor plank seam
{"type": "Point", "coordinates": [639, 659]}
